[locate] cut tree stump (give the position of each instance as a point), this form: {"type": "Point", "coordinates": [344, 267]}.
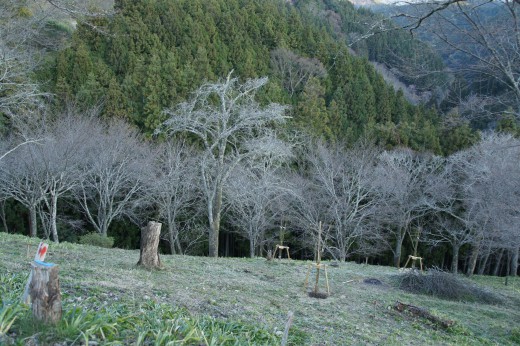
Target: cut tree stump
{"type": "Point", "coordinates": [39, 256]}
{"type": "Point", "coordinates": [44, 291]}
{"type": "Point", "coordinates": [149, 255]}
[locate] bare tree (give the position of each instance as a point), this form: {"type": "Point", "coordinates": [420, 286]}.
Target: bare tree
{"type": "Point", "coordinates": [343, 180]}
{"type": "Point", "coordinates": [22, 178]}
{"type": "Point", "coordinates": [175, 190]}
{"type": "Point", "coordinates": [295, 70]}
{"type": "Point", "coordinates": [44, 171]}
{"type": "Point", "coordinates": [118, 163]}
{"type": "Point", "coordinates": [63, 155]}
{"type": "Point", "coordinates": [451, 231]}
{"type": "Point", "coordinates": [19, 56]}
{"type": "Point", "coordinates": [231, 126]}
{"type": "Point", "coordinates": [254, 194]}
{"type": "Point", "coordinates": [307, 211]}
{"type": "Point", "coordinates": [405, 181]}
{"type": "Point", "coordinates": [481, 41]}
{"type": "Point", "coordinates": [489, 173]}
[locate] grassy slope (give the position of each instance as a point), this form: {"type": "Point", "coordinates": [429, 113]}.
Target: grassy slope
{"type": "Point", "coordinates": [260, 293]}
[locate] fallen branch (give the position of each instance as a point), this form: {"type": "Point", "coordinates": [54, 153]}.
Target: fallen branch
{"type": "Point", "coordinates": [420, 312]}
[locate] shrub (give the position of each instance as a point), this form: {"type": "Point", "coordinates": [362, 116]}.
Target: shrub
{"type": "Point", "coordinates": [444, 285]}
{"type": "Point", "coordinates": [96, 239]}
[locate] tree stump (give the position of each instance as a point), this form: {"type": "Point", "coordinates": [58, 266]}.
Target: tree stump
{"type": "Point", "coordinates": [149, 255]}
{"type": "Point", "coordinates": [44, 291]}
{"type": "Point", "coordinates": [40, 256]}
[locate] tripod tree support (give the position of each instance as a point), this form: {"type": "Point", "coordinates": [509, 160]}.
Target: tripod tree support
{"type": "Point", "coordinates": [281, 248]}
{"type": "Point", "coordinates": [414, 258]}
{"type": "Point", "coordinates": [318, 267]}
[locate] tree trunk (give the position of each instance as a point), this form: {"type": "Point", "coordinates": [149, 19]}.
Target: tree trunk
{"type": "Point", "coordinates": [496, 271]}
{"type": "Point", "coordinates": [45, 293]}
{"type": "Point", "coordinates": [178, 243]}
{"type": "Point", "coordinates": [473, 259]}
{"type": "Point", "coordinates": [227, 246]}
{"type": "Point", "coordinates": [214, 228]}
{"type": "Point", "coordinates": [398, 250]}
{"type": "Point", "coordinates": [252, 248]}
{"type": "Point", "coordinates": [483, 264]}
{"type": "Point", "coordinates": [149, 255]}
{"type": "Point", "coordinates": [514, 262]}
{"type": "Point", "coordinates": [172, 238]}
{"type": "Point", "coordinates": [455, 259]}
{"type": "Point", "coordinates": [2, 216]}
{"type": "Point", "coordinates": [32, 222]}
{"type": "Point", "coordinates": [104, 228]}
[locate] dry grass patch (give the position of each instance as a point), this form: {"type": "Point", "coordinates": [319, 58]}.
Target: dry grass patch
{"type": "Point", "coordinates": [242, 292]}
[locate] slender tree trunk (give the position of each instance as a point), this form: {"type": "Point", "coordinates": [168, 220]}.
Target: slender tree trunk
{"type": "Point", "coordinates": [496, 270]}
{"type": "Point", "coordinates": [33, 223]}
{"type": "Point", "coordinates": [104, 229]}
{"type": "Point", "coordinates": [514, 262]}
{"type": "Point", "coordinates": [171, 230]}
{"type": "Point", "coordinates": [398, 249]}
{"type": "Point", "coordinates": [252, 246]}
{"type": "Point", "coordinates": [54, 211]}
{"type": "Point", "coordinates": [214, 228]}
{"type": "Point", "coordinates": [473, 258]}
{"type": "Point", "coordinates": [484, 261]}
{"type": "Point", "coordinates": [227, 246]}
{"type": "Point", "coordinates": [2, 216]}
{"type": "Point", "coordinates": [483, 264]}
{"type": "Point", "coordinates": [213, 239]}
{"type": "Point", "coordinates": [508, 266]}
{"type": "Point", "coordinates": [179, 247]}
{"type": "Point", "coordinates": [455, 259]}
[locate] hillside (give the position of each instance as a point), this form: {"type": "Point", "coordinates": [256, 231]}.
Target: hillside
{"type": "Point", "coordinates": [198, 300]}
{"type": "Point", "coordinates": [152, 54]}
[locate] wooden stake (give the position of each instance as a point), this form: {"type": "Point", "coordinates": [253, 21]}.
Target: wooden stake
{"type": "Point", "coordinates": [44, 291]}
{"type": "Point", "coordinates": [318, 255]}
{"type": "Point", "coordinates": [327, 280]}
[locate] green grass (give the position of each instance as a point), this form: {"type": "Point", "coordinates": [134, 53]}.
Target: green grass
{"type": "Point", "coordinates": [234, 301]}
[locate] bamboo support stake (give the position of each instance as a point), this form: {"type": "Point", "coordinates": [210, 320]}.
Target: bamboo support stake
{"type": "Point", "coordinates": [327, 280]}
{"type": "Point", "coordinates": [317, 278]}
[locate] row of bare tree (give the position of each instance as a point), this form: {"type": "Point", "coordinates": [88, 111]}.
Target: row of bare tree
{"type": "Point", "coordinates": [369, 199]}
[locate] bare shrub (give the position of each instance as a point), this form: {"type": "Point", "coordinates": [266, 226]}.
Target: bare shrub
{"type": "Point", "coordinates": [444, 285]}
